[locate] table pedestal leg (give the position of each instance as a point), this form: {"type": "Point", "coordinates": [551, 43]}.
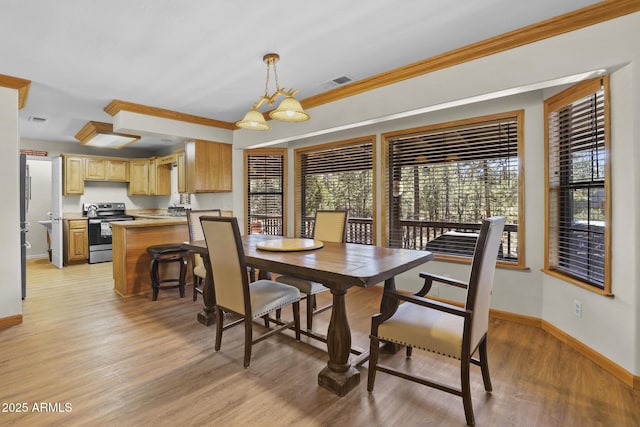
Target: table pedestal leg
{"type": "Point", "coordinates": [208, 314]}
{"type": "Point", "coordinates": [339, 376]}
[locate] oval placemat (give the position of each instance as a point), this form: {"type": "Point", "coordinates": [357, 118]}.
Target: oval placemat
{"type": "Point", "coordinates": [289, 245]}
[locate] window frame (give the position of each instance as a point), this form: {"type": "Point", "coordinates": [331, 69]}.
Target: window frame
{"type": "Point", "coordinates": [555, 103]}
{"type": "Point", "coordinates": [298, 152]}
{"type": "Point", "coordinates": [518, 115]}
{"type": "Point", "coordinates": [283, 152]}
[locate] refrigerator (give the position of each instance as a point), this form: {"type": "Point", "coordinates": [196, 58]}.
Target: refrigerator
{"type": "Point", "coordinates": [25, 198]}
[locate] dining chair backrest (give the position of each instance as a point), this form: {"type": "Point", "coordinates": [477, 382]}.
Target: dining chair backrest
{"type": "Point", "coordinates": [330, 226]}
{"type": "Point", "coordinates": [228, 265]}
{"type": "Point", "coordinates": [482, 271]}
{"type": "Point", "coordinates": [193, 222]}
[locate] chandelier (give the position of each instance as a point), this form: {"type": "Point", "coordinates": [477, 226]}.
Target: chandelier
{"type": "Point", "coordinates": [289, 109]}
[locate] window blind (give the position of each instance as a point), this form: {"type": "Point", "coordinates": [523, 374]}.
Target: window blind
{"type": "Point", "coordinates": [577, 160]}
{"type": "Point", "coordinates": [265, 194]}
{"type": "Point", "coordinates": [443, 181]}
{"type": "Point", "coordinates": [338, 177]}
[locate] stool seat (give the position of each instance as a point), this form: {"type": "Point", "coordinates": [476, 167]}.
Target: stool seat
{"type": "Point", "coordinates": [170, 252]}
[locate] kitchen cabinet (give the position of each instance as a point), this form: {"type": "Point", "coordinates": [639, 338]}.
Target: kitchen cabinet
{"type": "Point", "coordinates": [72, 175]}
{"type": "Point", "coordinates": [75, 241]}
{"type": "Point", "coordinates": [182, 173]}
{"type": "Point", "coordinates": [105, 169]}
{"type": "Point", "coordinates": [208, 167]}
{"type": "Point", "coordinates": [159, 177]}
{"type": "Point", "coordinates": [138, 177]}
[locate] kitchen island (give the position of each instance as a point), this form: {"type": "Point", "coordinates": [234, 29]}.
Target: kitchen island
{"type": "Point", "coordinates": [130, 258]}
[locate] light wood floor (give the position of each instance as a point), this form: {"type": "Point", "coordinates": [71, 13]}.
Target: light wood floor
{"type": "Point", "coordinates": [131, 362]}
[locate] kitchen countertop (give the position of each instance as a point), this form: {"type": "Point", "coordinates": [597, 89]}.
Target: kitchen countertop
{"type": "Point", "coordinates": [156, 221]}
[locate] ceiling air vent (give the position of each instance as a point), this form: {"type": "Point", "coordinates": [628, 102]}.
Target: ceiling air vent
{"type": "Point", "coordinates": [338, 81]}
{"type": "Point", "coordinates": [341, 80]}
{"type": "Point", "coordinates": [35, 119]}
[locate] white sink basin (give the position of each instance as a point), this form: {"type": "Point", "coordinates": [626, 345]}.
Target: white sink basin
{"type": "Point", "coordinates": [46, 223]}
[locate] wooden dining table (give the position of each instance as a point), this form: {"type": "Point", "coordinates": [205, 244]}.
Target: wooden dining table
{"type": "Point", "coordinates": [338, 266]}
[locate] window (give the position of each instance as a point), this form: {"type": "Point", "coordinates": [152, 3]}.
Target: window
{"type": "Point", "coordinates": [339, 175]}
{"type": "Point", "coordinates": [442, 180]}
{"type": "Point", "coordinates": [265, 180]}
{"type": "Point", "coordinates": [577, 185]}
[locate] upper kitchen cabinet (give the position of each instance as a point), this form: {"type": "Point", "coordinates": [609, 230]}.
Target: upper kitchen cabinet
{"type": "Point", "coordinates": [208, 167]}
{"type": "Point", "coordinates": [72, 175]}
{"type": "Point", "coordinates": [106, 169]}
{"type": "Point", "coordinates": [182, 173]}
{"type": "Point", "coordinates": [159, 176]}
{"type": "Point", "coordinates": [138, 177]}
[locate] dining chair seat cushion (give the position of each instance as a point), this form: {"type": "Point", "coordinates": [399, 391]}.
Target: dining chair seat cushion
{"type": "Point", "coordinates": [306, 286]}
{"type": "Point", "coordinates": [267, 296]}
{"type": "Point", "coordinates": [430, 330]}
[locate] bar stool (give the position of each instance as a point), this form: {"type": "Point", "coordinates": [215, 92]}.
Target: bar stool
{"type": "Point", "coordinates": [167, 253]}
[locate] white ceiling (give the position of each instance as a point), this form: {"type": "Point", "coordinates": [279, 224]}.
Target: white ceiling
{"type": "Point", "coordinates": [204, 57]}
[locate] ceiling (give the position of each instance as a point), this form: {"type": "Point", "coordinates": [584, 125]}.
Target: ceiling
{"type": "Point", "coordinates": [204, 57]}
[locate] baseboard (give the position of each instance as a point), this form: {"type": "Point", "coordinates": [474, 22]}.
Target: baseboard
{"type": "Point", "coordinates": [597, 358]}
{"type": "Point", "coordinates": [7, 322]}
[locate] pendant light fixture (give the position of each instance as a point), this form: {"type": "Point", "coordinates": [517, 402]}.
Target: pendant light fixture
{"type": "Point", "coordinates": [289, 110]}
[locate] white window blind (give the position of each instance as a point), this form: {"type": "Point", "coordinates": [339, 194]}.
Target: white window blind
{"type": "Point", "coordinates": [444, 180]}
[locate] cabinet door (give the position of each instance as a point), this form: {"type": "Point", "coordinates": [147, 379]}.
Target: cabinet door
{"type": "Point", "coordinates": [182, 174]}
{"type": "Point", "coordinates": [76, 241]}
{"type": "Point", "coordinates": [139, 177]}
{"type": "Point", "coordinates": [73, 175]}
{"type": "Point", "coordinates": [208, 166]}
{"type": "Point", "coordinates": [94, 169]}
{"type": "Point", "coordinates": [117, 170]}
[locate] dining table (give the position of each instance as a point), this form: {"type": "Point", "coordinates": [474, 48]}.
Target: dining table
{"type": "Point", "coordinates": [338, 266]}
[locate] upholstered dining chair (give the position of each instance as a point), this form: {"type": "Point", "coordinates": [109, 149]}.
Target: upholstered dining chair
{"type": "Point", "coordinates": [442, 328]}
{"type": "Point", "coordinates": [234, 293]}
{"type": "Point", "coordinates": [329, 226]}
{"type": "Point", "coordinates": [196, 233]}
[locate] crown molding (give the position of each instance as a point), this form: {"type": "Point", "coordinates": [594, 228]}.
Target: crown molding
{"type": "Point", "coordinates": [117, 105]}
{"type": "Point", "coordinates": [21, 85]}
{"type": "Point", "coordinates": [581, 18]}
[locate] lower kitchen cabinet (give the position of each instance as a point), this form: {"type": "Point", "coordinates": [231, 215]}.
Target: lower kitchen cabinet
{"type": "Point", "coordinates": [75, 241]}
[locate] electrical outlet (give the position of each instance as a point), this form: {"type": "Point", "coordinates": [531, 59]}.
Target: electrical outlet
{"type": "Point", "coordinates": [577, 308]}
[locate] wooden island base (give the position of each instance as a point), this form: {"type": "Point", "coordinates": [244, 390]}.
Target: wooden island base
{"type": "Point", "coordinates": [131, 261]}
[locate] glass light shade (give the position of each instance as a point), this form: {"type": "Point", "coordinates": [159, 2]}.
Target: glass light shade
{"type": "Point", "coordinates": [289, 110]}
{"type": "Point", "coordinates": [253, 120]}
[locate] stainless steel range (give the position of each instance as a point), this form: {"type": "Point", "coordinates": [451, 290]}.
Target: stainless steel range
{"type": "Point", "coordinates": [100, 216]}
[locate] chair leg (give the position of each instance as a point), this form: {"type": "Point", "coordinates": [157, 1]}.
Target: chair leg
{"type": "Point", "coordinates": [296, 318]}
{"type": "Point", "coordinates": [266, 320]}
{"type": "Point", "coordinates": [219, 320]}
{"type": "Point", "coordinates": [466, 390]}
{"type": "Point", "coordinates": [484, 365]}
{"type": "Point", "coordinates": [278, 313]}
{"type": "Point", "coordinates": [248, 338]}
{"type": "Point", "coordinates": [409, 351]}
{"type": "Point", "coordinates": [183, 276]}
{"type": "Point", "coordinates": [374, 351]}
{"type": "Point", "coordinates": [196, 283]}
{"type": "Point", "coordinates": [311, 303]}
{"type": "Point", "coordinates": [154, 278]}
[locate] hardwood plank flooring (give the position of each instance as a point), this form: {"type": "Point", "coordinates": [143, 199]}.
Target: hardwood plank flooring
{"type": "Point", "coordinates": [132, 362]}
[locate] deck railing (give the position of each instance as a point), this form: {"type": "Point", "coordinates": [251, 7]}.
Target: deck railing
{"type": "Point", "coordinates": [421, 235]}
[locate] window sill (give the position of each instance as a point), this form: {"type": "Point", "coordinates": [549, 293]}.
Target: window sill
{"type": "Point", "coordinates": [576, 282]}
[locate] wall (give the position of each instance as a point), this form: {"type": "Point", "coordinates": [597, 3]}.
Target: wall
{"type": "Point", "coordinates": [610, 326]}
{"type": "Point", "coordinates": [10, 289]}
